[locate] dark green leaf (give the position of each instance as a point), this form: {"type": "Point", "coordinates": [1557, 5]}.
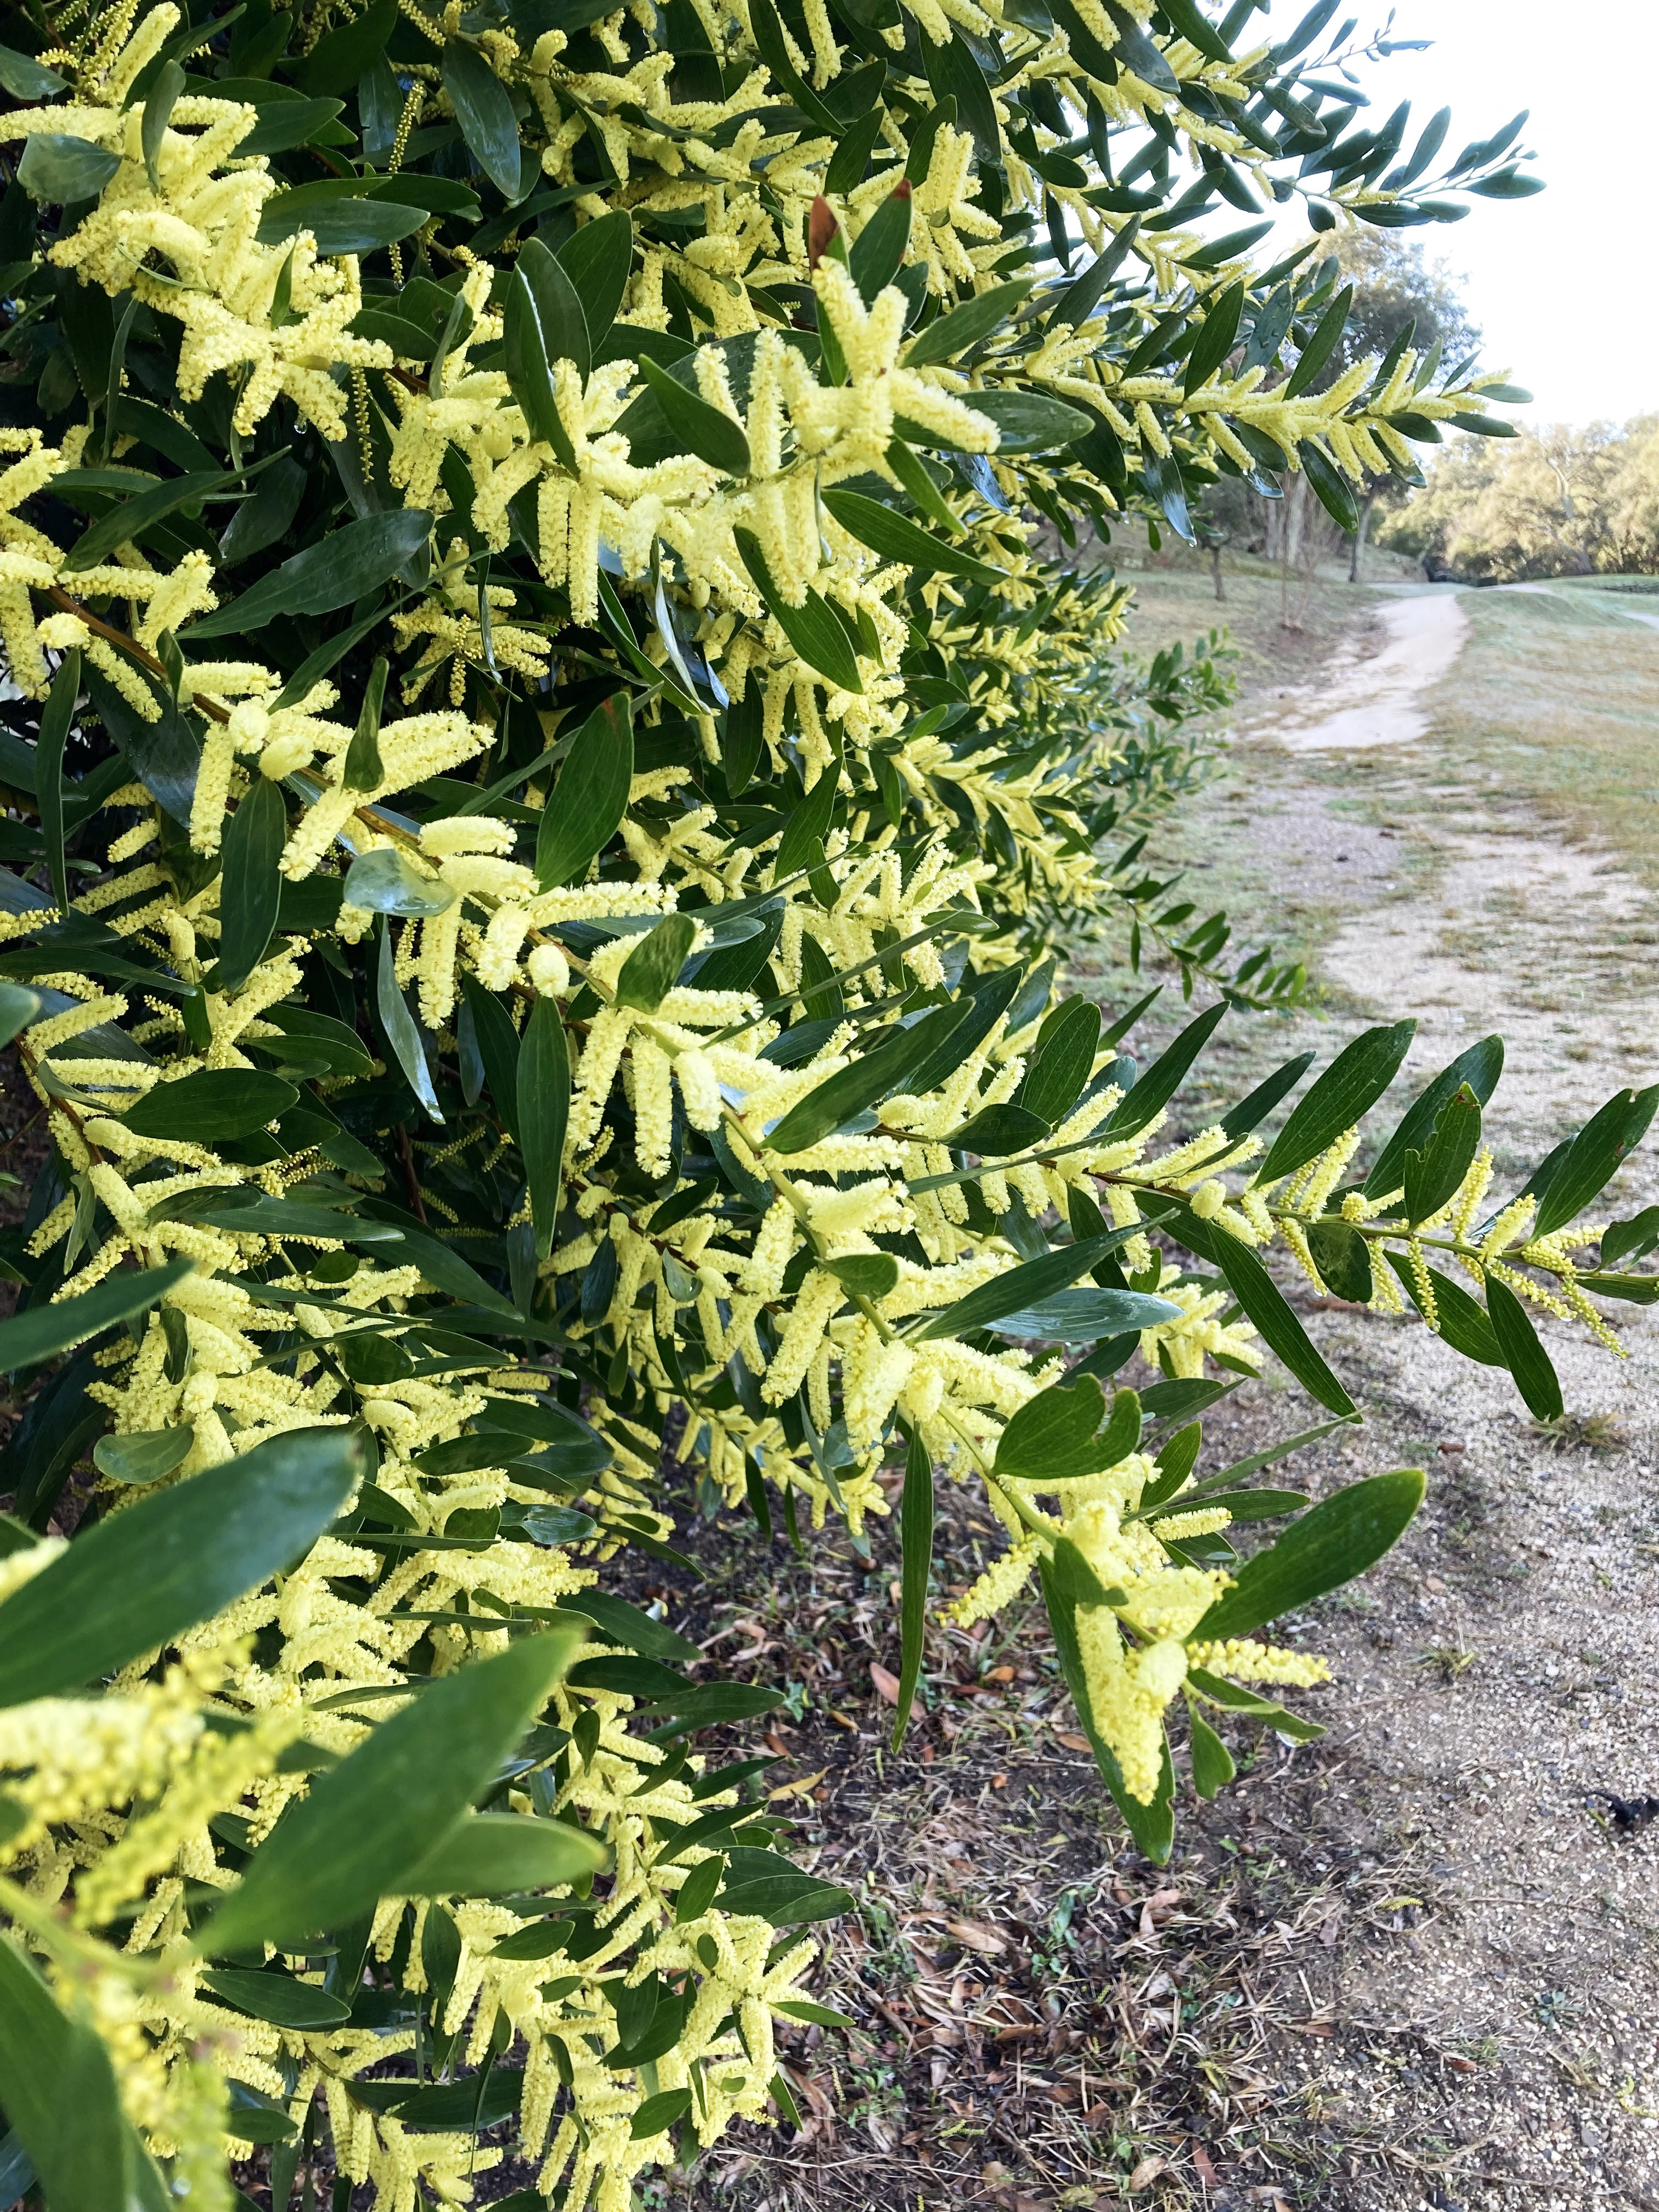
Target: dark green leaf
{"type": "Point", "coordinates": [529, 370]}
{"type": "Point", "coordinates": [136, 1582]}
{"type": "Point", "coordinates": [879, 249]}
{"type": "Point", "coordinates": [1320, 346]}
{"type": "Point", "coordinates": [1594, 1156]}
{"type": "Point", "coordinates": [879, 1073]}
{"type": "Point", "coordinates": [1282, 1333]}
{"type": "Point", "coordinates": [276, 1998]}
{"type": "Point", "coordinates": [1151, 1826]}
{"type": "Point", "coordinates": [145, 1457]}
{"type": "Point", "coordinates": [1153, 1090]}
{"type": "Point", "coordinates": [1342, 1257]}
{"type": "Point", "coordinates": [1253, 1109]}
{"type": "Point", "coordinates": [338, 569]}
{"type": "Point", "coordinates": [1338, 1539]}
{"type": "Point", "coordinates": [650, 970]}
{"type": "Point", "coordinates": [369, 1822]}
{"type": "Point", "coordinates": [1348, 1089]}
{"type": "Point", "coordinates": [1480, 1067]}
{"type": "Point", "coordinates": [338, 60]}
{"type": "Point", "coordinates": [697, 428]}
{"type": "Point", "coordinates": [399, 1023]}
{"type": "Point", "coordinates": [58, 168]}
{"type": "Point", "coordinates": [1523, 1354]}
{"type": "Point", "coordinates": [591, 797]}
{"type": "Point", "coordinates": [1236, 1699]}
{"type": "Point", "coordinates": [1434, 1174]}
{"type": "Point", "coordinates": [1335, 493]}
{"type": "Point", "coordinates": [41, 1331]}
{"type": "Point", "coordinates": [1213, 1764]}
{"type": "Point", "coordinates": [252, 885]}
{"type": "Point", "coordinates": [485, 114]}
{"type": "Point", "coordinates": [1052, 1437]}
{"type": "Point", "coordinates": [897, 538]}
{"type": "Point", "coordinates": [159, 103]}
{"type": "Point", "coordinates": [1459, 1318]}
{"type": "Point", "coordinates": [1062, 1061]}
{"type": "Point", "coordinates": [999, 1132]}
{"type": "Point", "coordinates": [658, 2112]}
{"type": "Point", "coordinates": [866, 1274]}
{"type": "Point", "coordinates": [1621, 1240]}
{"type": "Point", "coordinates": [339, 226]}
{"type": "Point", "coordinates": [288, 123]}
{"type": "Point", "coordinates": [916, 1540]}
{"type": "Point", "coordinates": [364, 769]}
{"type": "Point", "coordinates": [1033, 1283]}
{"type": "Point", "coordinates": [597, 259]}
{"type": "Point", "coordinates": [18, 1008]}
{"type": "Point", "coordinates": [1030, 422]}
{"type": "Point", "coordinates": [1136, 52]}
{"type": "Point", "coordinates": [559, 307]}
{"type": "Point", "coordinates": [1215, 339]}
{"type": "Point", "coordinates": [814, 632]}
{"type": "Point", "coordinates": [967, 325]}
{"type": "Point", "coordinates": [498, 1047]}
{"type": "Point", "coordinates": [55, 721]}
{"type": "Point", "coordinates": [542, 1114]}
{"type": "Point", "coordinates": [213, 1103]}
{"type": "Point", "coordinates": [496, 1854]}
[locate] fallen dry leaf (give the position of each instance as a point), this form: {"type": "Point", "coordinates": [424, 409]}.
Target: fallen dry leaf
{"type": "Point", "coordinates": [977, 1937]}
{"type": "Point", "coordinates": [887, 1688]}
{"type": "Point", "coordinates": [803, 1788]}
{"type": "Point", "coordinates": [1207, 2173]}
{"type": "Point", "coordinates": [1146, 2173]}
{"type": "Point", "coordinates": [1073, 1742]}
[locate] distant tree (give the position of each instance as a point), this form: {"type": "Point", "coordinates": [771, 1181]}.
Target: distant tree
{"type": "Point", "coordinates": [1555, 502]}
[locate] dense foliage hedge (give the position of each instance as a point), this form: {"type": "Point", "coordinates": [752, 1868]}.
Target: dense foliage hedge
{"type": "Point", "coordinates": [551, 776]}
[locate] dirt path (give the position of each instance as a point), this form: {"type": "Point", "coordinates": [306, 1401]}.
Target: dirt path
{"type": "Point", "coordinates": [1371, 692]}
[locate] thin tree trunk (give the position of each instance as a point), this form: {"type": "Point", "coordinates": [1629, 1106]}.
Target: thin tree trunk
{"type": "Point", "coordinates": [1215, 570]}
{"type": "Point", "coordinates": [1289, 547]}
{"type": "Point", "coordinates": [1359, 537]}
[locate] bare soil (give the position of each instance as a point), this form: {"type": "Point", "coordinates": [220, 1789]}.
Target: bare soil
{"type": "Point", "coordinates": [1417, 1962]}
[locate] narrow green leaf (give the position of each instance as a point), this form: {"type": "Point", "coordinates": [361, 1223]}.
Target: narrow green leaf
{"type": "Point", "coordinates": [331, 574]}
{"type": "Point", "coordinates": [1212, 1763]}
{"type": "Point", "coordinates": [1594, 1156]}
{"type": "Point", "coordinates": [879, 249]}
{"type": "Point", "coordinates": [368, 1822]}
{"type": "Point", "coordinates": [650, 970]}
{"type": "Point", "coordinates": [1062, 1061]}
{"type": "Point", "coordinates": [814, 632]}
{"type": "Point", "coordinates": [399, 1023]}
{"type": "Point", "coordinates": [1480, 1066]}
{"type": "Point", "coordinates": [277, 1998]}
{"type": "Point", "coordinates": [916, 1540]}
{"type": "Point", "coordinates": [599, 258]}
{"type": "Point", "coordinates": [137, 1580]}
{"type": "Point", "coordinates": [484, 112]}
{"type": "Point", "coordinates": [1282, 1333]}
{"type": "Point", "coordinates": [1052, 1437]}
{"type": "Point", "coordinates": [498, 1047]}
{"type": "Point", "coordinates": [912, 472]}
{"type": "Point", "coordinates": [1033, 1282]}
{"type": "Point", "coordinates": [542, 1114]}
{"type": "Point", "coordinates": [1334, 491]}
{"type": "Point", "coordinates": [559, 307]}
{"type": "Point", "coordinates": [140, 1459]}
{"type": "Point", "coordinates": [1338, 1539]}
{"type": "Point", "coordinates": [1321, 345]}
{"type": "Point", "coordinates": [252, 883]}
{"type": "Point", "coordinates": [1215, 338]}
{"type": "Point", "coordinates": [1523, 1353]}
{"type": "Point", "coordinates": [496, 1854]}
{"type": "Point", "coordinates": [1342, 1257]}
{"type": "Point", "coordinates": [41, 1331]}
{"type": "Point", "coordinates": [969, 324]}
{"type": "Point", "coordinates": [1343, 1095]}
{"type": "Point", "coordinates": [708, 432]}
{"type": "Point", "coordinates": [1459, 1319]}
{"type": "Point", "coordinates": [364, 769]}
{"type": "Point", "coordinates": [159, 103]}
{"type": "Point", "coordinates": [339, 226]}
{"type": "Point", "coordinates": [529, 371]}
{"type": "Point", "coordinates": [1153, 1090]}
{"type": "Point", "coordinates": [1433, 1176]}
{"type": "Point", "coordinates": [897, 538]}
{"type": "Point", "coordinates": [213, 1103]}
{"type": "Point", "coordinates": [55, 721]}
{"type": "Point", "coordinates": [1030, 422]}
{"type": "Point", "coordinates": [874, 1076]}
{"type": "Point", "coordinates": [1151, 1826]}
{"type": "Point", "coordinates": [582, 813]}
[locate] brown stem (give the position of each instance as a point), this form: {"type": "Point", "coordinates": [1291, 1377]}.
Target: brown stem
{"type": "Point", "coordinates": [413, 1180]}
{"type": "Point", "coordinates": [130, 645]}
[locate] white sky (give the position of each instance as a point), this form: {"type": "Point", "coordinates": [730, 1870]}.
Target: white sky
{"type": "Point", "coordinates": [1562, 283]}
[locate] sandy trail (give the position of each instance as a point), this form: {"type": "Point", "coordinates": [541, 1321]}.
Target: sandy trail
{"type": "Point", "coordinates": [1370, 697]}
